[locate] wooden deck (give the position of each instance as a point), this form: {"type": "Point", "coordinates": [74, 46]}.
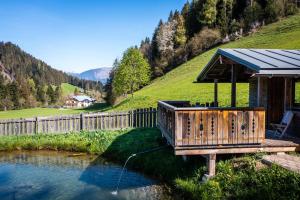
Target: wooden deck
{"type": "Point", "coordinates": [270, 145]}
{"type": "Point", "coordinates": [203, 131]}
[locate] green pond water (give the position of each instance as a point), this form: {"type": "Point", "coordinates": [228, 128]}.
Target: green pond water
{"type": "Point", "coordinates": [61, 175]}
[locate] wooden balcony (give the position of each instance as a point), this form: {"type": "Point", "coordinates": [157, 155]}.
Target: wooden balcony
{"type": "Point", "coordinates": [184, 125]}
{"type": "Point", "coordinates": [195, 130]}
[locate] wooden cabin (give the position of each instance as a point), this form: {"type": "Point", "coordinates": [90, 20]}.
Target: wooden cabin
{"type": "Point", "coordinates": [274, 88]}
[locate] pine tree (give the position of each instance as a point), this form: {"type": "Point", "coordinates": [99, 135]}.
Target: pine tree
{"type": "Point", "coordinates": [180, 33]}
{"type": "Point", "coordinates": [208, 14]}
{"type": "Point", "coordinates": [224, 15]}
{"type": "Point", "coordinates": [193, 20]}
{"type": "Point", "coordinates": [145, 48]}
{"type": "Point", "coordinates": [14, 94]}
{"type": "Point", "coordinates": [51, 96]}
{"type": "Point", "coordinates": [76, 92]}
{"type": "Point", "coordinates": [57, 94]}
{"type": "Point", "coordinates": [41, 95]}
{"type": "Point", "coordinates": [110, 94]}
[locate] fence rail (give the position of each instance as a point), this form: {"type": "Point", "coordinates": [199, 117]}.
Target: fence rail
{"type": "Point", "coordinates": [140, 118]}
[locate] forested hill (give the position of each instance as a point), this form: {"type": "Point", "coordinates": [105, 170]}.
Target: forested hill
{"type": "Point", "coordinates": [23, 65]}
{"type": "Point", "coordinates": [25, 80]}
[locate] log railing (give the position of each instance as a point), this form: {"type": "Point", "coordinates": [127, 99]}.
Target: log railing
{"type": "Point", "coordinates": [210, 126]}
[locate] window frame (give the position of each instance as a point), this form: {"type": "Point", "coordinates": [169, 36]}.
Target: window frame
{"type": "Point", "coordinates": [295, 104]}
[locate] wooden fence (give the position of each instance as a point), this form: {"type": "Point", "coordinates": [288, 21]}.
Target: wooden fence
{"type": "Point", "coordinates": [140, 118]}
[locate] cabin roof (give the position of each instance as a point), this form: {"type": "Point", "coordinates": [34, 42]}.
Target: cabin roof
{"type": "Point", "coordinates": [82, 98]}
{"type": "Point", "coordinates": [258, 62]}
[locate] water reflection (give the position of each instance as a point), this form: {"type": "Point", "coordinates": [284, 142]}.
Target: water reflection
{"type": "Point", "coordinates": [57, 175]}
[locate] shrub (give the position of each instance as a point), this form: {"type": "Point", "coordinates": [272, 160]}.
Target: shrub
{"type": "Point", "coordinates": [203, 40]}
{"type": "Point", "coordinates": [272, 11]}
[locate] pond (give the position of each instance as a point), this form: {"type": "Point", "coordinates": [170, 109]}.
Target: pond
{"type": "Point", "coordinates": [61, 175]}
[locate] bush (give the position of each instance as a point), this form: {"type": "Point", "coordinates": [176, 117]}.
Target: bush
{"type": "Point", "coordinates": [203, 40]}
{"type": "Point", "coordinates": [290, 9]}
{"type": "Point", "coordinates": [241, 179]}
{"type": "Point", "coordinates": [273, 10]}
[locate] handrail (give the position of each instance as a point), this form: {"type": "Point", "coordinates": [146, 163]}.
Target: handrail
{"type": "Point", "coordinates": [210, 125]}
{"type": "Point", "coordinates": [167, 104]}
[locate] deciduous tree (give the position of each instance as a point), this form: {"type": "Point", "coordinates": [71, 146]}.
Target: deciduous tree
{"type": "Point", "coordinates": [132, 73]}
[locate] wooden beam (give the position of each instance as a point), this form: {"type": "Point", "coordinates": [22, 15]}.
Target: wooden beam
{"type": "Point", "coordinates": [288, 93]}
{"type": "Point", "coordinates": [237, 150]}
{"type": "Point", "coordinates": [233, 86]}
{"type": "Point", "coordinates": [227, 61]}
{"type": "Point", "coordinates": [216, 93]}
{"type": "Point", "coordinates": [258, 92]}
{"type": "Point", "coordinates": [211, 164]}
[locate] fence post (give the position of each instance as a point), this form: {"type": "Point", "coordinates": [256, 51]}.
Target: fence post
{"type": "Point", "coordinates": [155, 117]}
{"type": "Point", "coordinates": [36, 125]}
{"type": "Point", "coordinates": [81, 121]}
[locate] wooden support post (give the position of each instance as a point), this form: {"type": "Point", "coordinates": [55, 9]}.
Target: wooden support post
{"type": "Point", "coordinates": [216, 93]}
{"type": "Point", "coordinates": [211, 166]}
{"type": "Point", "coordinates": [233, 86]}
{"type": "Point", "coordinates": [258, 91]}
{"type": "Point", "coordinates": [285, 94]}
{"type": "Point", "coordinates": [289, 88]}
{"type": "Point", "coordinates": [81, 121]}
{"type": "Point", "coordinates": [36, 131]}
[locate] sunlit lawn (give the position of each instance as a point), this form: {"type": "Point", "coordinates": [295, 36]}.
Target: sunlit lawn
{"type": "Point", "coordinates": [178, 84]}
{"type": "Point", "coordinates": [38, 112]}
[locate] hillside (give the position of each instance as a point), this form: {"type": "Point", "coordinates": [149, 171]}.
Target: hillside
{"type": "Point", "coordinates": [99, 74]}
{"type": "Point", "coordinates": [24, 78]}
{"type": "Point", "coordinates": [178, 84]}
{"type": "Point", "coordinates": [68, 89]}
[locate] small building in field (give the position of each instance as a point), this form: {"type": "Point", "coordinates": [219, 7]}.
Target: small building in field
{"type": "Point", "coordinates": [79, 101]}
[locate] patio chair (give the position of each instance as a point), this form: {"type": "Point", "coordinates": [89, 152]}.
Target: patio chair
{"type": "Point", "coordinates": [280, 129]}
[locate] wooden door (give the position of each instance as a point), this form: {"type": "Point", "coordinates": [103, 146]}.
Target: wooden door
{"type": "Point", "coordinates": [275, 100]}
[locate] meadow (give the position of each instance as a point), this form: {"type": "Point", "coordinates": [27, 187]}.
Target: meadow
{"type": "Point", "coordinates": [41, 112]}
{"type": "Point", "coordinates": [179, 84]}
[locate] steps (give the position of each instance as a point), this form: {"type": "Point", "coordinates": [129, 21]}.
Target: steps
{"type": "Point", "coordinates": [289, 162]}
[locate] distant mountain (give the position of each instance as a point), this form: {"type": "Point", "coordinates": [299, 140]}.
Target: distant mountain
{"type": "Point", "coordinates": [99, 74]}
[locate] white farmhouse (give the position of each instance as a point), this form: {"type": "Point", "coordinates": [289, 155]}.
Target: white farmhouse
{"type": "Point", "coordinates": [79, 101]}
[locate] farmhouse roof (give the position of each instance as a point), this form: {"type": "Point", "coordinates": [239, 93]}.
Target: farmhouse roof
{"type": "Point", "coordinates": [83, 98]}
{"type": "Point", "coordinates": [259, 62]}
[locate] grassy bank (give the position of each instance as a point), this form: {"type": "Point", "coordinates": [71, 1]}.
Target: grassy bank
{"type": "Point", "coordinates": [40, 112]}
{"type": "Point", "coordinates": [178, 84]}
{"type": "Point", "coordinates": [237, 178]}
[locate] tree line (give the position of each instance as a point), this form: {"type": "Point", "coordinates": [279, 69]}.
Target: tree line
{"type": "Point", "coordinates": [197, 27]}
{"type": "Point", "coordinates": [28, 82]}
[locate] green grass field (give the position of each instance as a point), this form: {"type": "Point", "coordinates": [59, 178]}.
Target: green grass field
{"type": "Point", "coordinates": [33, 112]}
{"type": "Point", "coordinates": [178, 84]}
{"type": "Point", "coordinates": [39, 112]}
{"type": "Point", "coordinates": [68, 89]}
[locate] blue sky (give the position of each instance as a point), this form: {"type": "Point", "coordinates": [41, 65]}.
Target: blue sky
{"type": "Point", "coordinates": [76, 35]}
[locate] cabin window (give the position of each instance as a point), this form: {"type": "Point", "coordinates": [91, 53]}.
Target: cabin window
{"type": "Point", "coordinates": [297, 93]}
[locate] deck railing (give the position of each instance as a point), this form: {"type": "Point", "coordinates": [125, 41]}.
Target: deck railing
{"type": "Point", "coordinates": [185, 126]}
